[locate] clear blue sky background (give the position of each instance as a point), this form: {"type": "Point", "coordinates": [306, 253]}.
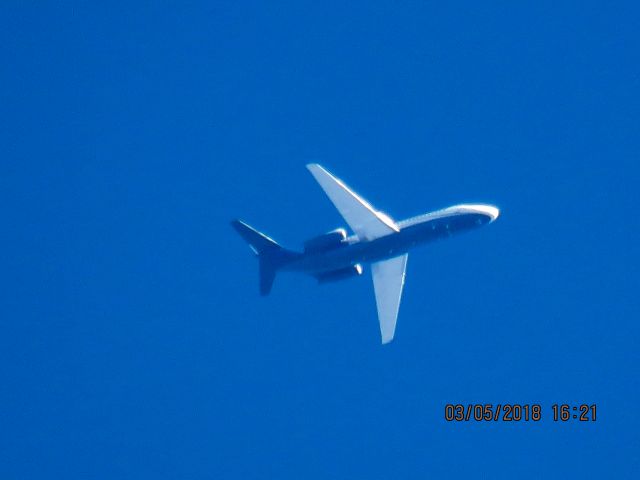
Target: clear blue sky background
{"type": "Point", "coordinates": [133, 342]}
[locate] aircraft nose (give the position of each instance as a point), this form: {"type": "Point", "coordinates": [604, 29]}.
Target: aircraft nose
{"type": "Point", "coordinates": [493, 212]}
{"type": "Point", "coordinates": [488, 210]}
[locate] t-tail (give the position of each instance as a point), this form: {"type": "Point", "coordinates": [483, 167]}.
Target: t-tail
{"type": "Point", "coordinates": [271, 256]}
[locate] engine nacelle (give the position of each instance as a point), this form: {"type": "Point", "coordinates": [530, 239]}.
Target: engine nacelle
{"type": "Point", "coordinates": [352, 271]}
{"type": "Point", "coordinates": [326, 241]}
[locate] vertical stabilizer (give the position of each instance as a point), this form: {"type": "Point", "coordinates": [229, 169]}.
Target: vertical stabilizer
{"type": "Point", "coordinates": [267, 273]}
{"type": "Point", "coordinates": [270, 254]}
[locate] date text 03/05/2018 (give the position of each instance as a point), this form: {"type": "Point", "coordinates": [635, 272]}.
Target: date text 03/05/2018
{"type": "Point", "coordinates": [514, 412]}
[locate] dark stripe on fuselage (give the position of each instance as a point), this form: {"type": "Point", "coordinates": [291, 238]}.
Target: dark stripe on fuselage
{"type": "Point", "coordinates": [388, 246]}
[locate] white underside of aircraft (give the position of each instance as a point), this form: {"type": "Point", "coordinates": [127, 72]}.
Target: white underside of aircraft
{"type": "Point", "coordinates": [325, 256]}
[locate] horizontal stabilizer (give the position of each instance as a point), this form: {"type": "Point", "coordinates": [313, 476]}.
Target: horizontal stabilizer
{"type": "Point", "coordinates": [270, 255]}
{"type": "Point", "coordinates": [258, 242]}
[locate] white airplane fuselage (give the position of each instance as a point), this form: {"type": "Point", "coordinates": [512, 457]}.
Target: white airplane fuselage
{"type": "Point", "coordinates": [377, 240]}
{"type": "Point", "coordinates": [412, 232]}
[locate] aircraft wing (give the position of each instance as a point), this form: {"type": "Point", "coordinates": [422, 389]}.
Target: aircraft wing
{"type": "Point", "coordinates": [364, 220]}
{"type": "Point", "coordinates": [388, 280]}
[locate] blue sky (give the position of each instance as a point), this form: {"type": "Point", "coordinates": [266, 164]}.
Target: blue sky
{"type": "Point", "coordinates": [133, 342]}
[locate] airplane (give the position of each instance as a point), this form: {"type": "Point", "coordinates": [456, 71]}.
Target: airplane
{"type": "Point", "coordinates": [376, 240]}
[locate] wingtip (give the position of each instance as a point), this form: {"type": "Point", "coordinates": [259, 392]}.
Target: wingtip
{"type": "Point", "coordinates": [237, 224]}
{"type": "Point", "coordinates": [318, 171]}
